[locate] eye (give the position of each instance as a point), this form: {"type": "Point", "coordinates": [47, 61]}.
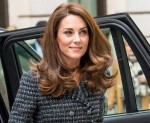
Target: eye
{"type": "Point", "coordinates": [83, 32]}
{"type": "Point", "coordinates": [68, 33]}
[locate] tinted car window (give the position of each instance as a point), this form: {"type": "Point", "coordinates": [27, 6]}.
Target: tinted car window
{"type": "Point", "coordinates": [114, 96]}
{"type": "Point", "coordinates": [1, 119]}
{"type": "Point", "coordinates": [24, 55]}
{"type": "Point", "coordinates": [36, 45]}
{"type": "Point", "coordinates": [3, 89]}
{"type": "Point", "coordinates": [116, 102]}
{"type": "Point", "coordinates": [141, 88]}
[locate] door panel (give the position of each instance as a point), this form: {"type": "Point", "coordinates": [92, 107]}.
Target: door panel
{"type": "Point", "coordinates": [12, 47]}
{"type": "Point", "coordinates": [122, 33]}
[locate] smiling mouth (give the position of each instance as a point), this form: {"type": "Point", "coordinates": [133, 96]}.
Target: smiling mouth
{"type": "Point", "coordinates": [75, 47]}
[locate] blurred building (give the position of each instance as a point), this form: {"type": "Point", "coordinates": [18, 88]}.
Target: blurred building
{"type": "Point", "coordinates": [26, 13]}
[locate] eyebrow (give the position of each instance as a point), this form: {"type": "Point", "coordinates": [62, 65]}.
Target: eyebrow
{"type": "Point", "coordinates": [83, 28]}
{"type": "Point", "coordinates": [72, 29]}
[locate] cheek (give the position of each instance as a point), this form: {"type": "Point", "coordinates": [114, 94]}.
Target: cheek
{"type": "Point", "coordinates": [63, 42]}
{"type": "Point", "coordinates": [86, 42]}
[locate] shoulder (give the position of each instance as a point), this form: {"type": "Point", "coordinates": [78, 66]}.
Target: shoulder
{"type": "Point", "coordinates": [29, 75]}
{"type": "Point", "coordinates": [29, 78]}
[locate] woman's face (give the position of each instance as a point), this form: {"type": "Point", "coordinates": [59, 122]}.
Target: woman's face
{"type": "Point", "coordinates": [73, 38]}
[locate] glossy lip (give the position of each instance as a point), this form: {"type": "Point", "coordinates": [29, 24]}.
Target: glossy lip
{"type": "Point", "coordinates": [75, 48]}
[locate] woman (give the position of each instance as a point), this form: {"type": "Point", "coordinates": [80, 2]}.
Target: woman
{"type": "Point", "coordinates": [69, 83]}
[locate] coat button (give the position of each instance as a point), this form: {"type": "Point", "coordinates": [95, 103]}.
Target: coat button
{"type": "Point", "coordinates": [89, 111]}
{"type": "Point", "coordinates": [71, 113]}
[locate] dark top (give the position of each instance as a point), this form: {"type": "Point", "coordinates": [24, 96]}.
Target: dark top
{"type": "Point", "coordinates": [79, 106]}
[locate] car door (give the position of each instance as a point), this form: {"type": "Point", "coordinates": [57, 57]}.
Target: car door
{"type": "Point", "coordinates": [17, 47]}
{"type": "Point", "coordinates": [15, 52]}
{"type": "Point", "coordinates": [121, 30]}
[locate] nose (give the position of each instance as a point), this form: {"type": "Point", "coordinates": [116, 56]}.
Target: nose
{"type": "Point", "coordinates": [77, 38]}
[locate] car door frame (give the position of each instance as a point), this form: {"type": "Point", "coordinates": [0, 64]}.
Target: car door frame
{"type": "Point", "coordinates": [9, 64]}
{"type": "Point", "coordinates": [124, 24]}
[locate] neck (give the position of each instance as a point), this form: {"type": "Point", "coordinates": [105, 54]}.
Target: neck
{"type": "Point", "coordinates": [76, 76]}
{"type": "Point", "coordinates": [73, 65]}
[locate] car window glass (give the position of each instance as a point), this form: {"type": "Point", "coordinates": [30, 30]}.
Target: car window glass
{"type": "Point", "coordinates": [3, 90]}
{"type": "Point", "coordinates": [115, 101]}
{"type": "Point", "coordinates": [36, 45]}
{"type": "Point", "coordinates": [24, 54]}
{"type": "Point", "coordinates": [1, 121]}
{"type": "Point", "coordinates": [141, 88]}
{"type": "Point", "coordinates": [114, 96]}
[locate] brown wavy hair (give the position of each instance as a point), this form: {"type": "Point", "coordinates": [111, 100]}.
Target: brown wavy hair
{"type": "Point", "coordinates": [54, 77]}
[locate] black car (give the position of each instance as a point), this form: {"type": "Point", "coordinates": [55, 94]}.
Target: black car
{"type": "Point", "coordinates": [17, 47]}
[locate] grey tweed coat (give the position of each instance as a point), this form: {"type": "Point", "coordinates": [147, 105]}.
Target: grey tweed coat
{"type": "Point", "coordinates": [80, 106]}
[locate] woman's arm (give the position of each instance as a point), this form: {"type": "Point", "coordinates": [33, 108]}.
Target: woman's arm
{"type": "Point", "coordinates": [25, 102]}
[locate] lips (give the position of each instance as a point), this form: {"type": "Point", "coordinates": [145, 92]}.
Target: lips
{"type": "Point", "coordinates": [75, 47]}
